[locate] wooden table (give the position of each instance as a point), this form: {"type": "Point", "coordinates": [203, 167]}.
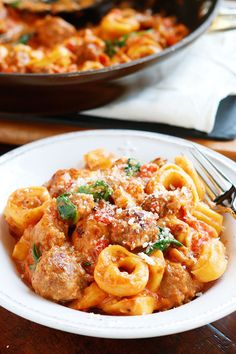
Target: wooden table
{"type": "Point", "coordinates": [19, 336]}
{"type": "Point", "coordinates": [16, 132]}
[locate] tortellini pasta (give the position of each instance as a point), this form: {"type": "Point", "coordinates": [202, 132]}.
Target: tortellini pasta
{"type": "Point", "coordinates": [50, 44]}
{"type": "Point", "coordinates": [120, 272]}
{"type": "Point", "coordinates": [119, 23]}
{"type": "Point", "coordinates": [118, 237]}
{"type": "Point", "coordinates": [156, 271]}
{"type": "Point", "coordinates": [21, 249]}
{"type": "Point", "coordinates": [204, 213]}
{"type": "Point", "coordinates": [188, 167]}
{"type": "Point", "coordinates": [142, 304]}
{"type": "Point", "coordinates": [212, 262]}
{"type": "Point", "coordinates": [92, 297]}
{"type": "Point", "coordinates": [25, 207]}
{"type": "Point", "coordinates": [173, 178]}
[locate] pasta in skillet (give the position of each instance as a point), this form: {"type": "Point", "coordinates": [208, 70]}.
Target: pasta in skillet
{"type": "Point", "coordinates": [117, 236]}
{"type": "Point", "coordinates": [32, 42]}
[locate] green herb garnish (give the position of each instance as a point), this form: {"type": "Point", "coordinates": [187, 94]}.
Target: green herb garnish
{"type": "Point", "coordinates": [121, 42]}
{"type": "Point", "coordinates": [112, 46]}
{"type": "Point", "coordinates": [86, 264]}
{"type": "Point", "coordinates": [49, 1]}
{"type": "Point", "coordinates": [86, 189]}
{"type": "Point", "coordinates": [165, 240]}
{"type": "Point", "coordinates": [132, 167]}
{"type": "Point", "coordinates": [36, 255]}
{"type": "Point", "coordinates": [14, 4]}
{"type": "Point", "coordinates": [67, 209]}
{"type": "Point", "coordinates": [140, 33]}
{"type": "Point", "coordinates": [24, 39]}
{"type": "Point", "coordinates": [100, 190]}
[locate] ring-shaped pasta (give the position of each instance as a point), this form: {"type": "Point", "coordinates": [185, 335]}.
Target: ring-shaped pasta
{"type": "Point", "coordinates": [119, 22]}
{"type": "Point", "coordinates": [141, 304]}
{"type": "Point", "coordinates": [183, 256]}
{"type": "Point", "coordinates": [174, 178]}
{"type": "Point", "coordinates": [91, 297]}
{"type": "Point", "coordinates": [120, 272]}
{"type": "Point", "coordinates": [191, 236]}
{"type": "Point", "coordinates": [21, 249]}
{"type": "Point", "coordinates": [99, 159]}
{"type": "Point", "coordinates": [91, 65]}
{"type": "Point", "coordinates": [188, 167]}
{"type": "Point", "coordinates": [179, 228]}
{"type": "Point", "coordinates": [59, 56]}
{"type": "Point", "coordinates": [25, 207]}
{"type": "Point", "coordinates": [156, 271]}
{"type": "Point", "coordinates": [212, 262]}
{"type": "Point", "coordinates": [170, 166]}
{"type": "Point", "coordinates": [202, 212]}
{"type": "Point", "coordinates": [140, 50]}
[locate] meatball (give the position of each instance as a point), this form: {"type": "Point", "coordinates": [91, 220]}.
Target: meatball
{"type": "Point", "coordinates": [51, 31]}
{"type": "Point", "coordinates": [90, 48]}
{"type": "Point", "coordinates": [167, 202]}
{"type": "Point", "coordinates": [58, 275]}
{"type": "Point", "coordinates": [64, 180]}
{"type": "Point", "coordinates": [88, 51]}
{"type": "Point", "coordinates": [177, 286]}
{"type": "Point", "coordinates": [50, 230]}
{"type": "Point", "coordinates": [84, 203]}
{"type": "Point", "coordinates": [133, 227]}
{"type": "Point", "coordinates": [92, 233]}
{"type": "Point", "coordinates": [162, 205]}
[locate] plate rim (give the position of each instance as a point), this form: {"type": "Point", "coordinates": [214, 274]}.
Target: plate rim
{"type": "Point", "coordinates": [141, 133]}
{"type": "Point", "coordinates": [30, 314]}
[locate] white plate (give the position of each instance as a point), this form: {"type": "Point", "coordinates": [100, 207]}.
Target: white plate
{"type": "Point", "coordinates": [33, 164]}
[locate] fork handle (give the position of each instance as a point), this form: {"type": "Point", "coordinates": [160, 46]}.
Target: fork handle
{"type": "Point", "coordinates": [229, 196]}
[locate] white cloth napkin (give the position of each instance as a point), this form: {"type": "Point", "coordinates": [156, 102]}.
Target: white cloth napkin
{"type": "Point", "coordinates": [189, 97]}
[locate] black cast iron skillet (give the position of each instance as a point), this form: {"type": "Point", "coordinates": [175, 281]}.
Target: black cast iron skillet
{"type": "Point", "coordinates": [73, 92]}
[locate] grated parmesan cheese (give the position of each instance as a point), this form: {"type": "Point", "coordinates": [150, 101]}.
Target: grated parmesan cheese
{"type": "Point", "coordinates": [146, 258]}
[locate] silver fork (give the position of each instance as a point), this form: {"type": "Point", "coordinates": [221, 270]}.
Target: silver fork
{"type": "Point", "coordinates": [219, 188]}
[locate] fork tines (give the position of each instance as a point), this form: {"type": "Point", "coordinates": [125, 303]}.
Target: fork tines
{"type": "Point", "coordinates": [219, 188]}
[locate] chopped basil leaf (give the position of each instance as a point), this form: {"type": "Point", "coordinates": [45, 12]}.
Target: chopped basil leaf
{"type": "Point", "coordinates": [86, 264]}
{"type": "Point", "coordinates": [32, 266]}
{"type": "Point", "coordinates": [49, 1]}
{"type": "Point", "coordinates": [121, 42]}
{"type": "Point", "coordinates": [165, 240]}
{"type": "Point", "coordinates": [24, 39]}
{"type": "Point", "coordinates": [140, 33]}
{"type": "Point", "coordinates": [86, 189]}
{"type": "Point", "coordinates": [14, 4]}
{"type": "Point", "coordinates": [110, 49]}
{"type": "Point", "coordinates": [100, 190]}
{"type": "Point", "coordinates": [67, 210]}
{"type": "Point", "coordinates": [36, 254]}
{"type": "Point", "coordinates": [132, 167]}
{"type": "Point", "coordinates": [112, 46]}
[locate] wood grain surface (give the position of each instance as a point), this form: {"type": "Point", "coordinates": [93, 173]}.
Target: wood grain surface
{"type": "Point", "coordinates": [19, 336]}
{"type": "Point", "coordinates": [22, 132]}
